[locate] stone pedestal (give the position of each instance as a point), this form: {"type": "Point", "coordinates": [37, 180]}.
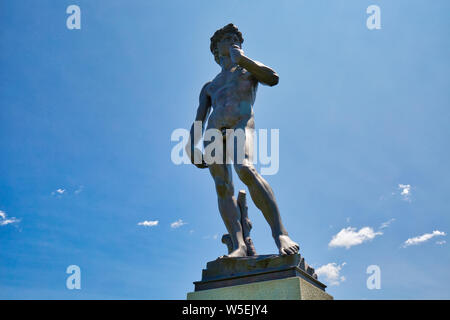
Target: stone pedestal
{"type": "Point", "coordinates": [265, 277]}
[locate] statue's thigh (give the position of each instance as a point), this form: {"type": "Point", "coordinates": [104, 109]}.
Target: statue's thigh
{"type": "Point", "coordinates": [240, 147]}
{"type": "Point", "coordinates": [214, 149]}
{"type": "Point", "coordinates": [221, 173]}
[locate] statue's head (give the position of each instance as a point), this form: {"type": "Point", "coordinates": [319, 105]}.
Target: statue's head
{"type": "Point", "coordinates": [223, 39]}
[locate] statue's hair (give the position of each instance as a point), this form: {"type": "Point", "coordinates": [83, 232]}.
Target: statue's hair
{"type": "Point", "coordinates": [229, 28]}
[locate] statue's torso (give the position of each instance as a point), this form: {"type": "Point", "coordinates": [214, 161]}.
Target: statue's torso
{"type": "Point", "coordinates": [232, 95]}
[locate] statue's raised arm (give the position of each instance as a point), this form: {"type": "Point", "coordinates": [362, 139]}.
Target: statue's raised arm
{"type": "Point", "coordinates": [262, 73]}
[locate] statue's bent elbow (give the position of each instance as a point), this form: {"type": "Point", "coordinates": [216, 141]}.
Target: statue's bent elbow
{"type": "Point", "coordinates": [274, 80]}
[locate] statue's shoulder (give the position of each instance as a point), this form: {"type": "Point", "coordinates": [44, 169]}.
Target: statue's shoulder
{"type": "Point", "coordinates": [206, 88]}
{"type": "Point", "coordinates": [206, 85]}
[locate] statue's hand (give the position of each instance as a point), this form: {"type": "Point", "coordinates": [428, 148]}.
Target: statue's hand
{"type": "Point", "coordinates": [202, 165]}
{"type": "Point", "coordinates": [236, 53]}
{"type": "Point", "coordinates": [196, 154]}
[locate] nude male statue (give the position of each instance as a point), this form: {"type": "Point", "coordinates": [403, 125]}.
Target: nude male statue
{"type": "Point", "coordinates": [231, 95]}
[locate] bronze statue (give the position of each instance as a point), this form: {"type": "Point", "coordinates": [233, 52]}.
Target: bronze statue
{"type": "Point", "coordinates": [231, 95]}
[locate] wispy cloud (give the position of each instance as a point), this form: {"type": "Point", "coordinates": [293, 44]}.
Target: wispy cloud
{"type": "Point", "coordinates": [5, 221]}
{"type": "Point", "coordinates": [148, 223]}
{"type": "Point", "coordinates": [405, 191]}
{"type": "Point", "coordinates": [387, 223]}
{"type": "Point", "coordinates": [59, 192]}
{"type": "Point", "coordinates": [441, 242]}
{"type": "Point", "coordinates": [423, 238]}
{"type": "Point", "coordinates": [177, 224]}
{"type": "Point", "coordinates": [331, 272]}
{"type": "Point", "coordinates": [349, 237]}
{"type": "Point", "coordinates": [79, 190]}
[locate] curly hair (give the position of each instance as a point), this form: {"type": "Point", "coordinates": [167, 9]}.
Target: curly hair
{"type": "Point", "coordinates": [229, 28]}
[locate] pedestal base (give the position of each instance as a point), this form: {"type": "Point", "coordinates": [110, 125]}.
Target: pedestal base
{"type": "Point", "coordinates": [294, 288]}
{"type": "Point", "coordinates": [267, 277]}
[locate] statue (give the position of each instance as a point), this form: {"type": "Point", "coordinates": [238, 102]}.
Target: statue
{"type": "Point", "coordinates": [231, 95]}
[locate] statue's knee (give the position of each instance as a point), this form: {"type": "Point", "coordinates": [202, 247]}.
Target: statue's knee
{"type": "Point", "coordinates": [246, 173]}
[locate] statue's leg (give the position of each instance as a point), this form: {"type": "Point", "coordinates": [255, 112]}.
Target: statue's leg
{"type": "Point", "coordinates": [228, 208]}
{"type": "Point", "coordinates": [260, 191]}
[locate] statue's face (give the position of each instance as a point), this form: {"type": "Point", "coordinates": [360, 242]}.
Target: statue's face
{"type": "Point", "coordinates": [226, 42]}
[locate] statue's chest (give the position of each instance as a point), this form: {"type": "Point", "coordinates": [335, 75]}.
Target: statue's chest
{"type": "Point", "coordinates": [236, 80]}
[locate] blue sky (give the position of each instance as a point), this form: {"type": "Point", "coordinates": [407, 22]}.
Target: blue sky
{"type": "Point", "coordinates": [91, 112]}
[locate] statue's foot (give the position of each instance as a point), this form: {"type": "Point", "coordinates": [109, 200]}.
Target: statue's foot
{"type": "Point", "coordinates": [286, 246]}
{"type": "Point", "coordinates": [240, 252]}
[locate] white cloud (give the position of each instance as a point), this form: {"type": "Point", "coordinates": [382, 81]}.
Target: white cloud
{"type": "Point", "coordinates": [177, 224]}
{"type": "Point", "coordinates": [423, 238]}
{"type": "Point", "coordinates": [441, 242]}
{"type": "Point", "coordinates": [8, 221]}
{"type": "Point", "coordinates": [148, 223]}
{"type": "Point", "coordinates": [349, 237]}
{"type": "Point", "coordinates": [405, 191]}
{"type": "Point", "coordinates": [59, 191]}
{"type": "Point", "coordinates": [331, 272]}
{"type": "Point", "coordinates": [387, 223]}
{"type": "Point", "coordinates": [4, 221]}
